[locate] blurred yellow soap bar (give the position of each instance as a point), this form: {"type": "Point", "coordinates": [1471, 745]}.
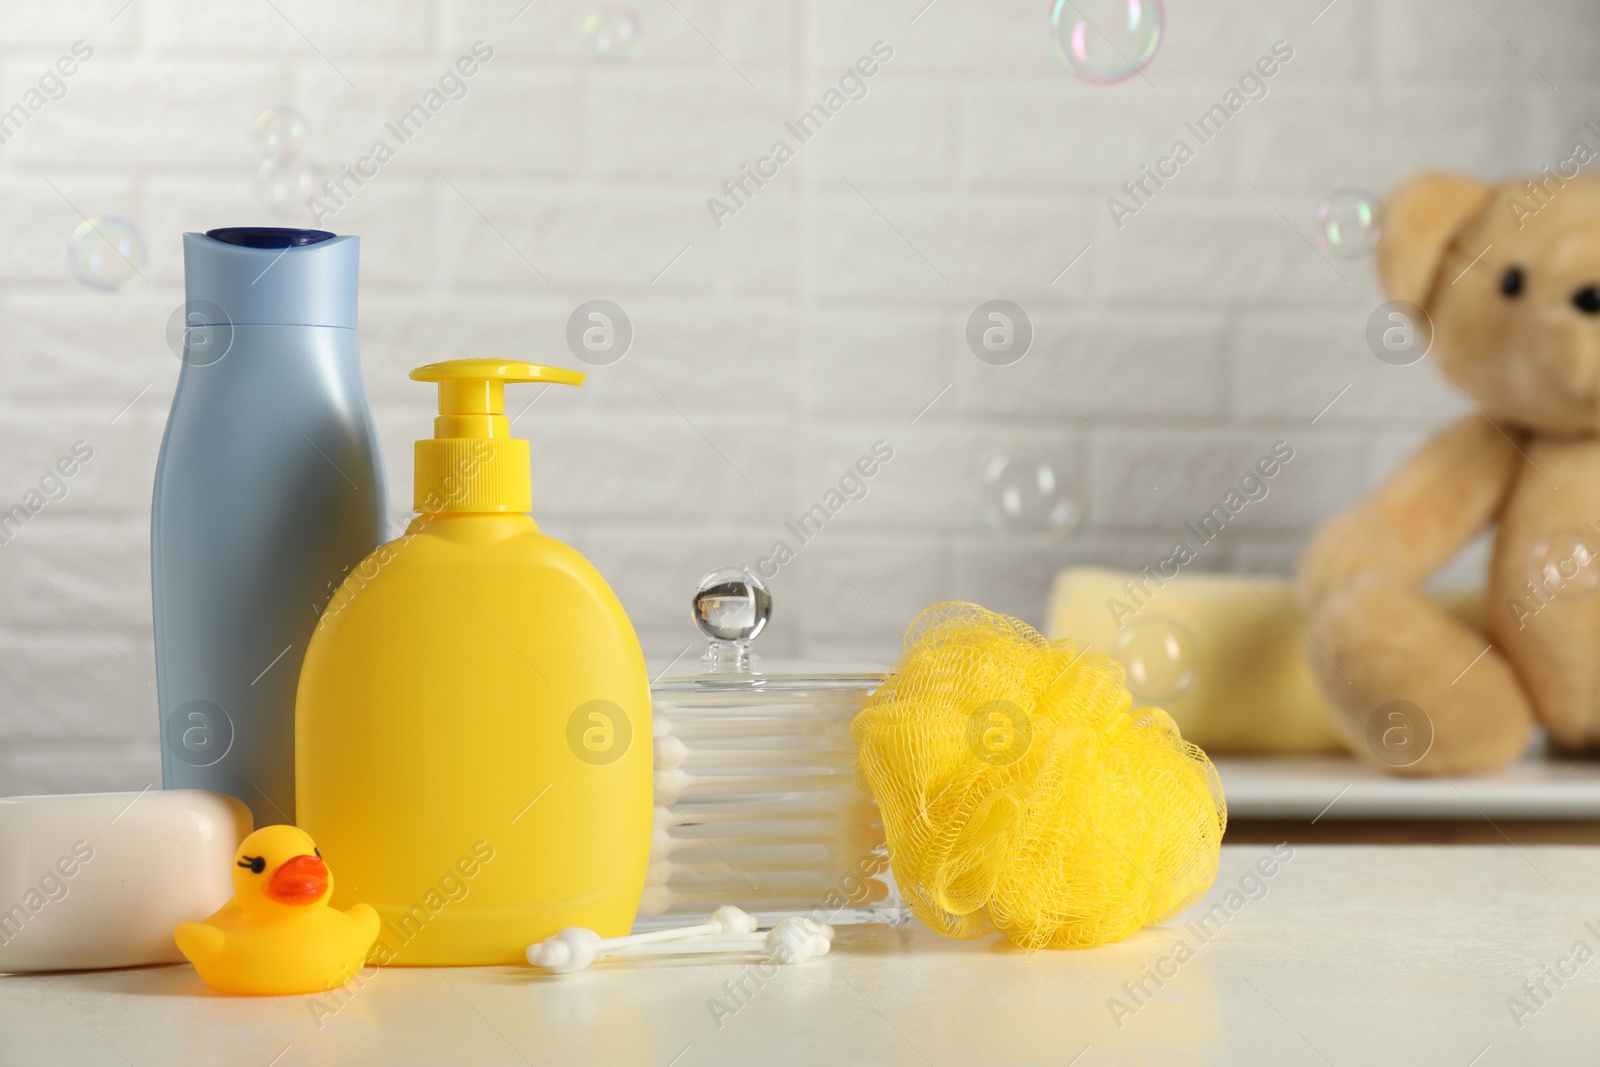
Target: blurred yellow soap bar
{"type": "Point", "coordinates": [1246, 685]}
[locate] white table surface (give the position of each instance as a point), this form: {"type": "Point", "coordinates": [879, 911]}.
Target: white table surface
{"type": "Point", "coordinates": [1360, 956]}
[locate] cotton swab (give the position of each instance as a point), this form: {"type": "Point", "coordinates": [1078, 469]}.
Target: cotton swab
{"type": "Point", "coordinates": [575, 948]}
{"type": "Point", "coordinates": [663, 844]}
{"type": "Point", "coordinates": [671, 752]}
{"type": "Point", "coordinates": [660, 900]}
{"type": "Point", "coordinates": [675, 782]}
{"type": "Point", "coordinates": [743, 876]}
{"type": "Point", "coordinates": [794, 939]}
{"type": "Point", "coordinates": [704, 810]}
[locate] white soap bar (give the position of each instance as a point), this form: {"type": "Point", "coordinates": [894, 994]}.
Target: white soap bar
{"type": "Point", "coordinates": [100, 879]}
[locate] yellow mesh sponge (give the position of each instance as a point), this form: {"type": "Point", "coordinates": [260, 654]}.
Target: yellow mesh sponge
{"type": "Point", "coordinates": [1021, 792]}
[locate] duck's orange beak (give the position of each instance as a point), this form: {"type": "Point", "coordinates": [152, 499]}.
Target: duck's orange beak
{"type": "Point", "coordinates": [301, 880]}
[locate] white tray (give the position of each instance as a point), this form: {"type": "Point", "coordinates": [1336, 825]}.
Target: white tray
{"type": "Point", "coordinates": [1321, 788]}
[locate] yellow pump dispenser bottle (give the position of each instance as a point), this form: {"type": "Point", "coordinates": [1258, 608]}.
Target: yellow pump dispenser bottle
{"type": "Point", "coordinates": [472, 727]}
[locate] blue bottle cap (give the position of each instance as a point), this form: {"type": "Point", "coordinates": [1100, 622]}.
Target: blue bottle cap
{"type": "Point", "coordinates": [270, 276]}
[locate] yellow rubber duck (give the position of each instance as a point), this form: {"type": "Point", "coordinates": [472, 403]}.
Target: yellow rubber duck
{"type": "Point", "coordinates": [278, 935]}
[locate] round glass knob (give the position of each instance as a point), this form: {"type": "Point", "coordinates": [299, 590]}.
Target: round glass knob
{"type": "Point", "coordinates": [731, 607]}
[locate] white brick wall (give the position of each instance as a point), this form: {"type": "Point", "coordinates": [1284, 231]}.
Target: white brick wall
{"type": "Point", "coordinates": [799, 333]}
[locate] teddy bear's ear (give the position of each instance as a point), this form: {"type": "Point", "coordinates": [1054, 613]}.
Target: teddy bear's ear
{"type": "Point", "coordinates": [1421, 217]}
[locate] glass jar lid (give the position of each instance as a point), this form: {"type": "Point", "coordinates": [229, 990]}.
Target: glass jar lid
{"type": "Point", "coordinates": [731, 608]}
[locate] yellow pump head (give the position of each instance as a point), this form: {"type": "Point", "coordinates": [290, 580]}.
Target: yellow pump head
{"type": "Point", "coordinates": [472, 463]}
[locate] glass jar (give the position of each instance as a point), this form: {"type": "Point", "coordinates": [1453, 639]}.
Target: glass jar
{"type": "Point", "coordinates": [757, 803]}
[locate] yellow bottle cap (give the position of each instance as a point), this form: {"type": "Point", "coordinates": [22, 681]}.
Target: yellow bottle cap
{"type": "Point", "coordinates": [472, 463]}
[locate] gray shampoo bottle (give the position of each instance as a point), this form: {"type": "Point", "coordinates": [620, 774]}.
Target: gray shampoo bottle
{"type": "Point", "coordinates": [268, 488]}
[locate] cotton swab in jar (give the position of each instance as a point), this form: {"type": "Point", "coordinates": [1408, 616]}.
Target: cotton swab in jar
{"type": "Point", "coordinates": [673, 751]}
{"type": "Point", "coordinates": [751, 809]}
{"type": "Point", "coordinates": [725, 846]}
{"type": "Point", "coordinates": [663, 843]}
{"type": "Point", "coordinates": [675, 783]}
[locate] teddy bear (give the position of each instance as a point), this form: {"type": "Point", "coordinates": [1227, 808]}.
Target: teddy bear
{"type": "Point", "coordinates": [1508, 279]}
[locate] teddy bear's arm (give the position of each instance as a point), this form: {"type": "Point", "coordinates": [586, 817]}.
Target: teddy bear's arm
{"type": "Point", "coordinates": [1374, 636]}
{"type": "Point", "coordinates": [1422, 516]}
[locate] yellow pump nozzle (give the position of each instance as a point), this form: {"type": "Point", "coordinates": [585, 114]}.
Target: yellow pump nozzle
{"type": "Point", "coordinates": [472, 463]}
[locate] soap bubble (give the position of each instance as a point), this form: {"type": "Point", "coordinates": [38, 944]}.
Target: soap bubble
{"type": "Point", "coordinates": [285, 185]}
{"type": "Point", "coordinates": [1106, 41]}
{"type": "Point", "coordinates": [1027, 495]}
{"type": "Point", "coordinates": [1160, 657]}
{"type": "Point", "coordinates": [1399, 733]}
{"type": "Point", "coordinates": [613, 31]}
{"type": "Point", "coordinates": [281, 132]}
{"type": "Point", "coordinates": [106, 252]}
{"type": "Point", "coordinates": [1349, 223]}
{"type": "Point", "coordinates": [1566, 564]}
